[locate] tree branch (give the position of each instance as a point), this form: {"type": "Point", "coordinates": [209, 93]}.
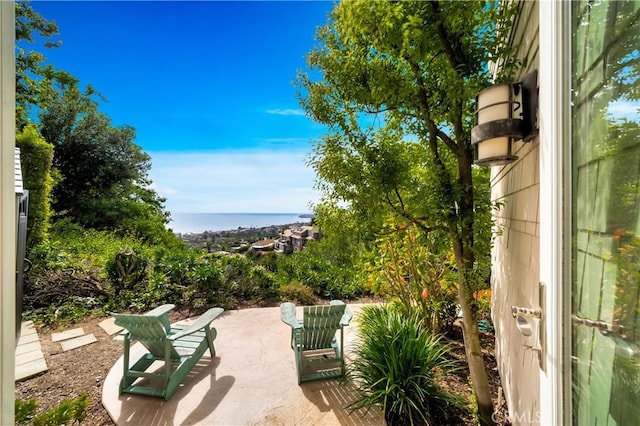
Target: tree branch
{"type": "Point", "coordinates": [447, 140]}
{"type": "Point", "coordinates": [418, 221]}
{"type": "Point", "coordinates": [377, 111]}
{"type": "Point", "coordinates": [424, 108]}
{"type": "Point", "coordinates": [452, 54]}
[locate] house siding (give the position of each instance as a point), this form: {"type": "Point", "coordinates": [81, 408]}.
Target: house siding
{"type": "Point", "coordinates": [515, 253]}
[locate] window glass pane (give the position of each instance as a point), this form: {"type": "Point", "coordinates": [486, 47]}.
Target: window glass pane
{"type": "Point", "coordinates": [605, 71]}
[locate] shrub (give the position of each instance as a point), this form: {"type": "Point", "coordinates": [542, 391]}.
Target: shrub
{"type": "Point", "coordinates": [397, 365]}
{"type": "Point", "coordinates": [417, 273]}
{"type": "Point", "coordinates": [264, 287]}
{"type": "Point", "coordinates": [176, 265]}
{"type": "Point", "coordinates": [483, 302]}
{"type": "Point", "coordinates": [326, 278]}
{"type": "Point", "coordinates": [298, 292]}
{"type": "Point", "coordinates": [70, 411]}
{"type": "Point", "coordinates": [126, 269]}
{"type": "Point", "coordinates": [36, 157]}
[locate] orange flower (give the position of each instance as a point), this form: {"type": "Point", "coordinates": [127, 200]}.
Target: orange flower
{"type": "Point", "coordinates": [425, 293]}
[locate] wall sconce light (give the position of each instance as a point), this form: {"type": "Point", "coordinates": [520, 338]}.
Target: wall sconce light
{"type": "Point", "coordinates": [505, 113]}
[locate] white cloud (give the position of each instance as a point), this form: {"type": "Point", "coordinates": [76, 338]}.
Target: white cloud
{"type": "Point", "coordinates": [624, 109]}
{"type": "Point", "coordinates": [279, 111]}
{"type": "Point", "coordinates": [236, 181]}
{"type": "Point", "coordinates": [286, 140]}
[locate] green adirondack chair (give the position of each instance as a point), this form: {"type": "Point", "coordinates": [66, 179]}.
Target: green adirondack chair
{"type": "Point", "coordinates": [313, 339]}
{"type": "Point", "coordinates": [178, 346]}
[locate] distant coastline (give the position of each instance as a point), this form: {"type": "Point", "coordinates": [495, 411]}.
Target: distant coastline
{"type": "Point", "coordinates": [185, 223]}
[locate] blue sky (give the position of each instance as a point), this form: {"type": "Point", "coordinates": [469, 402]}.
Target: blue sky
{"type": "Point", "coordinates": [208, 87]}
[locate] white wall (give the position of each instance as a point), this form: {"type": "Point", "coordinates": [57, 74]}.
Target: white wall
{"type": "Point", "coordinates": [515, 253]}
{"type": "Point", "coordinates": [7, 211]}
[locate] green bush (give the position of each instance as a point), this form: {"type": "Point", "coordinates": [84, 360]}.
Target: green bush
{"type": "Point", "coordinates": [417, 274]}
{"type": "Point", "coordinates": [126, 269]}
{"type": "Point", "coordinates": [36, 157]}
{"type": "Point", "coordinates": [207, 286]}
{"type": "Point", "coordinates": [176, 265]}
{"type": "Point", "coordinates": [397, 366]}
{"type": "Point", "coordinates": [298, 292]}
{"type": "Point", "coordinates": [72, 246]}
{"type": "Point", "coordinates": [326, 278]}
{"type": "Point", "coordinates": [264, 286]}
{"type": "Point", "coordinates": [70, 411]}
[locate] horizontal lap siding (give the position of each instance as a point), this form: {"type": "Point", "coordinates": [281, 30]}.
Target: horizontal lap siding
{"type": "Point", "coordinates": [515, 253]}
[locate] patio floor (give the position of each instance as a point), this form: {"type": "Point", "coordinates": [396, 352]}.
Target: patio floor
{"type": "Point", "coordinates": [251, 381]}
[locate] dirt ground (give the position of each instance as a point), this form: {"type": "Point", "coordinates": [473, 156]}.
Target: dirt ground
{"type": "Point", "coordinates": [72, 373]}
{"type": "Point", "coordinates": [83, 370]}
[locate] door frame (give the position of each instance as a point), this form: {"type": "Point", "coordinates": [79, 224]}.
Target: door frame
{"type": "Point", "coordinates": [555, 215]}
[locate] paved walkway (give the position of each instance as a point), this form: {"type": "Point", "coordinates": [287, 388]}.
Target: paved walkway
{"type": "Point", "coordinates": [251, 381]}
{"type": "Point", "coordinates": [29, 360]}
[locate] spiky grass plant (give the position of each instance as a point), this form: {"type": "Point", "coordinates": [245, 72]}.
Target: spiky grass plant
{"type": "Point", "coordinates": [397, 365]}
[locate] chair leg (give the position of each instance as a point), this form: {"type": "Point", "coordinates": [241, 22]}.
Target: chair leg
{"type": "Point", "coordinates": [341, 351]}
{"type": "Point", "coordinates": [211, 335]}
{"type": "Point", "coordinates": [299, 364]}
{"type": "Point", "coordinates": [126, 379]}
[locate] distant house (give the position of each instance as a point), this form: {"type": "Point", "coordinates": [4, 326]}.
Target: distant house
{"type": "Point", "coordinates": [264, 245]}
{"type": "Point", "coordinates": [294, 239]}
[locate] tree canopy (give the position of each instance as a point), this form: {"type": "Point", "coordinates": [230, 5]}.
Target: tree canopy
{"type": "Point", "coordinates": [395, 83]}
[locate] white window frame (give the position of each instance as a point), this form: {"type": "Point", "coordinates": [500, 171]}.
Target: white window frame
{"type": "Point", "coordinates": [555, 214]}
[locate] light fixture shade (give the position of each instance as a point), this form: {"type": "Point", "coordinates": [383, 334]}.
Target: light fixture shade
{"type": "Point", "coordinates": [491, 105]}
{"type": "Point", "coordinates": [505, 113]}
{"type": "Point", "coordinates": [495, 152]}
{"type": "Point", "coordinates": [498, 115]}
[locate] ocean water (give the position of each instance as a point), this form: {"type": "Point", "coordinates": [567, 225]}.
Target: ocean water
{"type": "Point", "coordinates": [185, 223]}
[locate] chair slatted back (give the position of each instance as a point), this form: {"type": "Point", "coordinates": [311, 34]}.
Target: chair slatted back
{"type": "Point", "coordinates": [320, 324]}
{"type": "Point", "coordinates": [151, 331]}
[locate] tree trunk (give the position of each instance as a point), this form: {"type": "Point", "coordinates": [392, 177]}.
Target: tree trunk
{"type": "Point", "coordinates": [473, 350]}
{"type": "Point", "coordinates": [465, 260]}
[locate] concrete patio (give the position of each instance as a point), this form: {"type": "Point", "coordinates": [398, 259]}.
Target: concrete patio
{"type": "Point", "coordinates": [251, 381]}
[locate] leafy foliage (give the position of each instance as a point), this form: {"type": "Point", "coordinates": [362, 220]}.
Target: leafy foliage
{"type": "Point", "coordinates": [34, 78]}
{"type": "Point", "coordinates": [409, 270]}
{"type": "Point", "coordinates": [396, 89]}
{"type": "Point", "coordinates": [126, 269]}
{"type": "Point", "coordinates": [36, 156]}
{"type": "Point", "coordinates": [397, 365]}
{"type": "Point", "coordinates": [104, 173]}
{"type": "Point", "coordinates": [327, 278]}
{"type": "Point", "coordinates": [69, 411]}
{"type": "Point", "coordinates": [298, 292]}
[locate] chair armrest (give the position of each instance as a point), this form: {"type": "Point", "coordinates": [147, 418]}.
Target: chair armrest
{"type": "Point", "coordinates": [288, 315]}
{"type": "Point", "coordinates": [346, 317]}
{"type": "Point", "coordinates": [160, 310]}
{"type": "Point", "coordinates": [202, 321]}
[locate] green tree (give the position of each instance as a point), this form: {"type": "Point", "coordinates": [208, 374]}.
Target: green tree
{"type": "Point", "coordinates": [104, 173]}
{"type": "Point", "coordinates": [396, 90]}
{"type": "Point", "coordinates": [35, 79]}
